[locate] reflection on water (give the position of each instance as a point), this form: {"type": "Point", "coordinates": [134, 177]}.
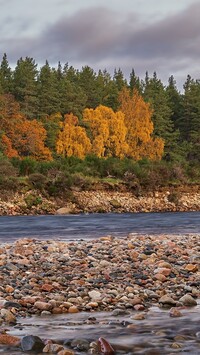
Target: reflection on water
{"type": "Point", "coordinates": [158, 333]}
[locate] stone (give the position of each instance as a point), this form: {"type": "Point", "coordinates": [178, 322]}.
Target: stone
{"type": "Point", "coordinates": [42, 306]}
{"type": "Point", "coordinates": [166, 301]}
{"type": "Point", "coordinates": [7, 339]}
{"type": "Point", "coordinates": [80, 344]}
{"type": "Point", "coordinates": [191, 267]}
{"type": "Point", "coordinates": [104, 347]}
{"type": "Point", "coordinates": [64, 210]}
{"type": "Point", "coordinates": [52, 348]}
{"type": "Point", "coordinates": [160, 277]}
{"type": "Point", "coordinates": [8, 316]}
{"type": "Point", "coordinates": [66, 352]}
{"type": "Point", "coordinates": [32, 343]}
{"type": "Point", "coordinates": [95, 295]}
{"type": "Point", "coordinates": [73, 309]}
{"type": "Point", "coordinates": [188, 300]}
{"type": "Point", "coordinates": [175, 312]}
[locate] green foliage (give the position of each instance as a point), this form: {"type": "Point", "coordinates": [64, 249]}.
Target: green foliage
{"type": "Point", "coordinates": [37, 180]}
{"type": "Point", "coordinates": [33, 200]}
{"type": "Point", "coordinates": [26, 166]}
{"type": "Point", "coordinates": [47, 94]}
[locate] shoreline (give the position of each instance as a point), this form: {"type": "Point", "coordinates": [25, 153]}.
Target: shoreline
{"type": "Point", "coordinates": [69, 277]}
{"type": "Point", "coordinates": [125, 277]}
{"type": "Point", "coordinates": [33, 202]}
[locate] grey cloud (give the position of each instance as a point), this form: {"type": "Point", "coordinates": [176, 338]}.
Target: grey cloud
{"type": "Point", "coordinates": [98, 36]}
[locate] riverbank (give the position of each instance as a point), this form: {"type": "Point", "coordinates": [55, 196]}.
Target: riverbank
{"type": "Point", "coordinates": [120, 200]}
{"type": "Point", "coordinates": [115, 275]}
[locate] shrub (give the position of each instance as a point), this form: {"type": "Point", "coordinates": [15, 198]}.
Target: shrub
{"type": "Point", "coordinates": [37, 180]}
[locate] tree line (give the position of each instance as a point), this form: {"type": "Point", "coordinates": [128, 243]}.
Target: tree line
{"type": "Point", "coordinates": [49, 112]}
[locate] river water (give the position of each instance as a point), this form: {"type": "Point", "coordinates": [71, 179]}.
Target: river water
{"type": "Point", "coordinates": [155, 335]}
{"type": "Point", "coordinates": [72, 227]}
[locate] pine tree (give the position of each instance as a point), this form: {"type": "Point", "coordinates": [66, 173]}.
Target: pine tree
{"type": "Point", "coordinates": [25, 86]}
{"type": "Point", "coordinates": [190, 122]}
{"type": "Point", "coordinates": [175, 101]}
{"type": "Point", "coordinates": [48, 91]}
{"type": "Point", "coordinates": [155, 94]}
{"type": "Point", "coordinates": [6, 78]}
{"type": "Point", "coordinates": [134, 83]}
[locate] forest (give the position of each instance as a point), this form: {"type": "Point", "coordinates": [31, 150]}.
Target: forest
{"type": "Point", "coordinates": [69, 124]}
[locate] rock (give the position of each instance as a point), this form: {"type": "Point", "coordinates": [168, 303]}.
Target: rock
{"type": "Point", "coordinates": [66, 352]}
{"type": "Point", "coordinates": [52, 348]}
{"type": "Point", "coordinates": [139, 307]}
{"type": "Point", "coordinates": [8, 316]}
{"type": "Point", "coordinates": [73, 309]}
{"type": "Point", "coordinates": [139, 316]}
{"type": "Point", "coordinates": [42, 306]}
{"type": "Point", "coordinates": [32, 343]}
{"type": "Point", "coordinates": [160, 277]}
{"type": "Point", "coordinates": [64, 210]}
{"type": "Point", "coordinates": [163, 270]}
{"type": "Point", "coordinates": [191, 267]}
{"type": "Point", "coordinates": [80, 344]}
{"type": "Point", "coordinates": [95, 295]}
{"type": "Point", "coordinates": [11, 304]}
{"type": "Point", "coordinates": [166, 301]}
{"type": "Point", "coordinates": [188, 300]}
{"type": "Point", "coordinates": [104, 347]}
{"type": "Point", "coordinates": [174, 312]}
{"type": "Point", "coordinates": [7, 339]}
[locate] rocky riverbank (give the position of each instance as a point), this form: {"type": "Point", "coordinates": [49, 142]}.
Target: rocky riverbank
{"type": "Point", "coordinates": [109, 274]}
{"type": "Point", "coordinates": [102, 201]}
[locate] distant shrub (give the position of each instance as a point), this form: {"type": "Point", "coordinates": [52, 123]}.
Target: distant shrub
{"type": "Point", "coordinates": [37, 180]}
{"type": "Point", "coordinates": [6, 168]}
{"type": "Point", "coordinates": [26, 166]}
{"type": "Point", "coordinates": [32, 200]}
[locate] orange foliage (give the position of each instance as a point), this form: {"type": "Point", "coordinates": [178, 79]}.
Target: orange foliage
{"type": "Point", "coordinates": [139, 127]}
{"type": "Point", "coordinates": [21, 137]}
{"type": "Point", "coordinates": [7, 147]}
{"type": "Point", "coordinates": [72, 139]}
{"type": "Point", "coordinates": [108, 131]}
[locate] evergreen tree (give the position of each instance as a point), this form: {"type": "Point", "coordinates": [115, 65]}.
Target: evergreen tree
{"type": "Point", "coordinates": [155, 94]}
{"type": "Point", "coordinates": [87, 80]}
{"type": "Point", "coordinates": [73, 98]}
{"type": "Point", "coordinates": [6, 80]}
{"type": "Point", "coordinates": [190, 122]}
{"type": "Point", "coordinates": [134, 83]}
{"type": "Point", "coordinates": [174, 101]}
{"type": "Point", "coordinates": [25, 86]}
{"type": "Point", "coordinates": [48, 91]}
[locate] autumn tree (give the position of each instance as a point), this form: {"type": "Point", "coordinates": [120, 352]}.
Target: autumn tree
{"type": "Point", "coordinates": [21, 137]}
{"type": "Point", "coordinates": [139, 125]}
{"type": "Point", "coordinates": [107, 131]}
{"type": "Point", "coordinates": [72, 139]}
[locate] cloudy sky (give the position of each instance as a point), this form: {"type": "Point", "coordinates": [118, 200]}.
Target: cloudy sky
{"type": "Point", "coordinates": [153, 35]}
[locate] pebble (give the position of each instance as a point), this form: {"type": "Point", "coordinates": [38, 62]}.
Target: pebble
{"type": "Point", "coordinates": [108, 274]}
{"type": "Point", "coordinates": [188, 300]}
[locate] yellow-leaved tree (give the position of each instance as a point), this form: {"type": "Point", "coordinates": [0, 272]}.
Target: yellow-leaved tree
{"type": "Point", "coordinates": [107, 131]}
{"type": "Point", "coordinates": [139, 126]}
{"type": "Point", "coordinates": [72, 139]}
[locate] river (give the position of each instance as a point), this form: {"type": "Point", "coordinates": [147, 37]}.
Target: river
{"type": "Point", "coordinates": [82, 226]}
{"type": "Point", "coordinates": [158, 333]}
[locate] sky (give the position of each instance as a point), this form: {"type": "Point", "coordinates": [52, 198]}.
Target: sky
{"type": "Point", "coordinates": [144, 35]}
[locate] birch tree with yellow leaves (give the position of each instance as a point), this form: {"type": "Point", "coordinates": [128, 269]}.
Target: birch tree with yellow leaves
{"type": "Point", "coordinates": [72, 139]}
{"type": "Point", "coordinates": [139, 127]}
{"type": "Point", "coordinates": [107, 131]}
